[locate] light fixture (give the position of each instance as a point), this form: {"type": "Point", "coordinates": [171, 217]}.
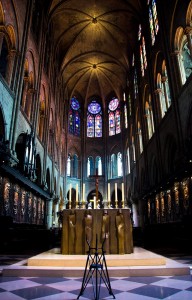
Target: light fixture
{"type": "Point", "coordinates": [94, 20]}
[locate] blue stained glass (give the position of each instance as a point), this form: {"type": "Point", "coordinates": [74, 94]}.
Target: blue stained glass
{"type": "Point", "coordinates": [75, 103]}
{"type": "Point", "coordinates": [74, 117]}
{"type": "Point", "coordinates": [94, 107]}
{"type": "Point", "coordinates": [90, 126]}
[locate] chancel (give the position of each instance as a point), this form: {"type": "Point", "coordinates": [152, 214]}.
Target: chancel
{"type": "Point", "coordinates": [95, 126]}
{"type": "Point", "coordinates": [111, 226]}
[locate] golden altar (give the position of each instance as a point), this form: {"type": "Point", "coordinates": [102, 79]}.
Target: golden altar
{"type": "Point", "coordinates": [80, 225]}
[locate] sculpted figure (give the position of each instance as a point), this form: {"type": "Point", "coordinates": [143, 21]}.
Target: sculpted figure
{"type": "Point", "coordinates": [72, 235]}
{"type": "Point", "coordinates": [105, 231]}
{"type": "Point", "coordinates": [120, 224]}
{"type": "Point", "coordinates": [88, 227]}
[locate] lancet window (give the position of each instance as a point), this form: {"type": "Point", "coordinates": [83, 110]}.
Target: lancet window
{"type": "Point", "coordinates": [153, 20]}
{"type": "Point", "coordinates": [128, 161]}
{"type": "Point", "coordinates": [140, 137]}
{"type": "Point", "coordinates": [143, 57]}
{"type": "Point", "coordinates": [114, 117]}
{"type": "Point", "coordinates": [116, 165]}
{"type": "Point", "coordinates": [69, 165]}
{"type": "Point", "coordinates": [93, 165]}
{"type": "Point", "coordinates": [94, 120]}
{"type": "Point", "coordinates": [74, 117]}
{"type": "Point", "coordinates": [125, 111]}
{"type": "Point", "coordinates": [149, 117]}
{"type": "Point", "coordinates": [72, 165]}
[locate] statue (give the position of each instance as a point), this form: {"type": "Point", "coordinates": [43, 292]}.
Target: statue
{"type": "Point", "coordinates": [120, 224]}
{"type": "Point", "coordinates": [105, 231]}
{"type": "Point", "coordinates": [72, 235]}
{"type": "Point", "coordinates": [88, 228]}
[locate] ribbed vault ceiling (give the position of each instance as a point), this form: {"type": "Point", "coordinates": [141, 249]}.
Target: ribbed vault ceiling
{"type": "Point", "coordinates": [93, 43]}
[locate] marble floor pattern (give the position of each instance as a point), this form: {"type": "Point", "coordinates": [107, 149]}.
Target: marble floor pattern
{"type": "Point", "coordinates": [129, 288]}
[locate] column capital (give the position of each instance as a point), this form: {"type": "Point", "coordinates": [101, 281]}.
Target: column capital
{"type": "Point", "coordinates": [163, 79]}
{"type": "Point", "coordinates": [176, 53]}
{"type": "Point", "coordinates": [158, 91]}
{"type": "Point", "coordinates": [188, 30]}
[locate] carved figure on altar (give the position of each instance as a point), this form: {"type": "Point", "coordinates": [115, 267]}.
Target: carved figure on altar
{"type": "Point", "coordinates": [105, 231]}
{"type": "Point", "coordinates": [88, 228]}
{"type": "Point", "coordinates": [72, 234]}
{"type": "Point", "coordinates": [120, 225]}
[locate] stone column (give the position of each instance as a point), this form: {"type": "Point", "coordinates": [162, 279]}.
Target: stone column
{"type": "Point", "coordinates": [28, 103]}
{"type": "Point", "coordinates": [24, 92]}
{"type": "Point", "coordinates": [1, 40]}
{"type": "Point", "coordinates": [10, 64]}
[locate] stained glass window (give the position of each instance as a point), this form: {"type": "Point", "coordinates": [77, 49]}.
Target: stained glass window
{"type": "Point", "coordinates": [90, 166]}
{"type": "Point", "coordinates": [125, 111]}
{"type": "Point", "coordinates": [94, 120]}
{"type": "Point", "coordinates": [153, 20]}
{"type": "Point", "coordinates": [98, 126]}
{"type": "Point", "coordinates": [114, 117]}
{"type": "Point", "coordinates": [139, 32]}
{"type": "Point", "coordinates": [69, 165]}
{"type": "Point", "coordinates": [74, 117]}
{"type": "Point", "coordinates": [125, 115]}
{"type": "Point", "coordinates": [144, 53]}
{"type": "Point", "coordinates": [94, 107]}
{"type": "Point", "coordinates": [133, 60]}
{"type": "Point", "coordinates": [113, 104]}
{"type": "Point", "coordinates": [119, 165]}
{"type": "Point", "coordinates": [90, 126]}
{"type": "Point", "coordinates": [142, 63]}
{"type": "Point", "coordinates": [143, 56]}
{"type": "Point", "coordinates": [117, 121]}
{"type": "Point", "coordinates": [129, 103]}
{"type": "Point", "coordinates": [75, 103]}
{"type": "Point", "coordinates": [140, 138]}
{"type": "Point", "coordinates": [128, 162]}
{"type": "Point", "coordinates": [98, 165]}
{"type": "Point", "coordinates": [135, 86]}
{"type": "Point", "coordinates": [111, 124]}
{"type": "Point", "coordinates": [149, 118]}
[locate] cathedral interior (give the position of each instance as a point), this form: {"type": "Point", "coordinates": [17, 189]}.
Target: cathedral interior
{"type": "Point", "coordinates": [95, 103]}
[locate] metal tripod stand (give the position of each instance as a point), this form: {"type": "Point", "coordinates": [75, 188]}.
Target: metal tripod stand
{"type": "Point", "coordinates": [96, 270]}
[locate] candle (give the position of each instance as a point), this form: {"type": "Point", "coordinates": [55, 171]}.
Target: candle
{"type": "Point", "coordinates": [76, 193]}
{"type": "Point", "coordinates": [123, 196]}
{"type": "Point", "coordinates": [116, 192]}
{"type": "Point", "coordinates": [83, 197]}
{"type": "Point", "coordinates": [70, 196]}
{"type": "Point", "coordinates": [109, 193]}
{"type": "Point", "coordinates": [70, 193]}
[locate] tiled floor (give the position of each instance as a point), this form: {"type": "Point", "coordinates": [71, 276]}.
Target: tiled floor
{"type": "Point", "coordinates": [129, 288]}
{"type": "Point", "coordinates": [133, 288]}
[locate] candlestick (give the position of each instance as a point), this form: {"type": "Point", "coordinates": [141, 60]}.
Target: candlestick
{"type": "Point", "coordinates": [77, 195]}
{"type": "Point", "coordinates": [70, 196]}
{"type": "Point", "coordinates": [83, 196]}
{"type": "Point", "coordinates": [123, 195]}
{"type": "Point", "coordinates": [109, 195]}
{"type": "Point", "coordinates": [116, 200]}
